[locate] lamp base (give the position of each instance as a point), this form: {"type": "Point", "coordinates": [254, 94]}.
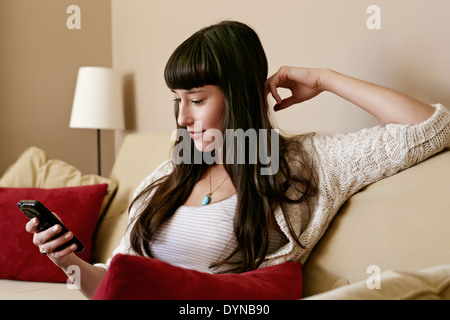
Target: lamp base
{"type": "Point", "coordinates": [99, 156]}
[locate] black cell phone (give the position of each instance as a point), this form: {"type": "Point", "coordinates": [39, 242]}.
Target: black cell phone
{"type": "Point", "coordinates": [34, 208]}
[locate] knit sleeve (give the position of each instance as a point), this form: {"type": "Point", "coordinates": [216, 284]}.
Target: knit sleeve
{"type": "Point", "coordinates": [349, 162]}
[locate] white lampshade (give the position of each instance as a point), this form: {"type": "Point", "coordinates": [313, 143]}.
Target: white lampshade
{"type": "Point", "coordinates": [98, 101]}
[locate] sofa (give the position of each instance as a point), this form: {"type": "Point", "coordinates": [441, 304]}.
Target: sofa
{"type": "Point", "coordinates": [390, 240]}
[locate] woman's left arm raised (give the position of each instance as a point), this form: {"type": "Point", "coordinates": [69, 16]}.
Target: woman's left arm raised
{"type": "Point", "coordinates": [413, 131]}
{"type": "Point", "coordinates": [387, 105]}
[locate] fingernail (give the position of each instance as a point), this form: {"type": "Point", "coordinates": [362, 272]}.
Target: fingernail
{"type": "Point", "coordinates": [68, 235]}
{"type": "Point", "coordinates": [35, 221]}
{"type": "Point", "coordinates": [56, 228]}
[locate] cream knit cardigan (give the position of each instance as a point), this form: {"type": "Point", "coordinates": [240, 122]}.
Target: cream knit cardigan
{"type": "Point", "coordinates": [344, 164]}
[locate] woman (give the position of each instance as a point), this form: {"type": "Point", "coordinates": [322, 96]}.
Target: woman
{"type": "Point", "coordinates": [250, 220]}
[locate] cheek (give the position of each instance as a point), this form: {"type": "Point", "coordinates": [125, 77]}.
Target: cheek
{"type": "Point", "coordinates": [219, 115]}
{"type": "Point", "coordinates": [218, 121]}
{"type": "Point", "coordinates": [213, 119]}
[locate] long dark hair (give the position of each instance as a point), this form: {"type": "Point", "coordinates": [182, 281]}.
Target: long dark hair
{"type": "Point", "coordinates": [228, 55]}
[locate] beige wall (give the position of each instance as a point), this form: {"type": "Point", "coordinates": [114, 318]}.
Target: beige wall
{"type": "Point", "coordinates": [409, 53]}
{"type": "Point", "coordinates": [39, 60]}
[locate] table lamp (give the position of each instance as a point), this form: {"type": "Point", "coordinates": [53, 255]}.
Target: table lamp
{"type": "Point", "coordinates": [98, 102]}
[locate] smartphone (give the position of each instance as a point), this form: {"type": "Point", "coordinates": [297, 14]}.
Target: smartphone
{"type": "Point", "coordinates": [35, 209]}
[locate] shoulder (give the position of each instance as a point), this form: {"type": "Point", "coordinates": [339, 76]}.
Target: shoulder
{"type": "Point", "coordinates": [300, 151]}
{"type": "Point", "coordinates": [161, 171]}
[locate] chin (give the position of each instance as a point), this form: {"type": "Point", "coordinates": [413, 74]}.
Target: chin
{"type": "Point", "coordinates": [200, 146]}
{"type": "Point", "coordinates": [204, 146]}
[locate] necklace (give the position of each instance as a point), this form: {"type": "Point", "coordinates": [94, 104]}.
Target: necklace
{"type": "Point", "coordinates": [207, 199]}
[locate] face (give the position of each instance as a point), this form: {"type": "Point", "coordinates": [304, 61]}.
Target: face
{"type": "Point", "coordinates": [201, 111]}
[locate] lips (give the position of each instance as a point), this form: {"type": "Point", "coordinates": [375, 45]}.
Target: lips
{"type": "Point", "coordinates": [196, 134]}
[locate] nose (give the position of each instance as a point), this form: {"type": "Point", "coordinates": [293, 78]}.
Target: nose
{"type": "Point", "coordinates": [184, 115]}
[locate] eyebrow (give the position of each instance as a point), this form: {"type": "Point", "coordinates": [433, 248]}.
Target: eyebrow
{"type": "Point", "coordinates": [191, 91]}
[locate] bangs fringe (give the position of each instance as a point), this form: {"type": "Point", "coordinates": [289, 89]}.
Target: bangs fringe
{"type": "Point", "coordinates": [192, 65]}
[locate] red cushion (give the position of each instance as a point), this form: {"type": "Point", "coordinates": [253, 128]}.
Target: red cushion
{"type": "Point", "coordinates": [140, 278]}
{"type": "Point", "coordinates": [78, 208]}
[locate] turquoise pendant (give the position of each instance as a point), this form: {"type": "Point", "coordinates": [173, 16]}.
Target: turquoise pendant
{"type": "Point", "coordinates": [206, 200]}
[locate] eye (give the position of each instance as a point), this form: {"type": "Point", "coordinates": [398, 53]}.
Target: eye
{"type": "Point", "coordinates": [177, 100]}
{"type": "Point", "coordinates": [197, 101]}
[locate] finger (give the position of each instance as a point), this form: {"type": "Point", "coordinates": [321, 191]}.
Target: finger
{"type": "Point", "coordinates": [275, 95]}
{"type": "Point", "coordinates": [53, 245]}
{"type": "Point", "coordinates": [285, 103]}
{"type": "Point", "coordinates": [271, 86]}
{"type": "Point", "coordinates": [64, 252]}
{"type": "Point", "coordinates": [43, 236]}
{"type": "Point", "coordinates": [32, 225]}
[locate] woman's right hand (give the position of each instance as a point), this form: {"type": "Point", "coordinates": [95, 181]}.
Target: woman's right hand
{"type": "Point", "coordinates": [48, 246]}
{"type": "Point", "coordinates": [64, 258]}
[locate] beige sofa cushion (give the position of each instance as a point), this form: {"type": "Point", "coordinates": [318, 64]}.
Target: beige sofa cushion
{"type": "Point", "coordinates": [427, 284]}
{"type": "Point", "coordinates": [28, 290]}
{"type": "Point", "coordinates": [399, 223]}
{"type": "Point", "coordinates": [33, 169]}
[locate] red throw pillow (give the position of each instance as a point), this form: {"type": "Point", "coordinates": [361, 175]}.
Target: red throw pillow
{"type": "Point", "coordinates": [78, 208]}
{"type": "Point", "coordinates": [139, 278]}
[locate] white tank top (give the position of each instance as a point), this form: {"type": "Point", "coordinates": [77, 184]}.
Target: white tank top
{"type": "Point", "coordinates": [197, 236]}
